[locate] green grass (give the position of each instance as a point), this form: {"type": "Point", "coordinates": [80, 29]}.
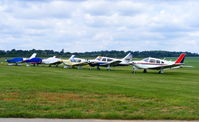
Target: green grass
{"type": "Point", "coordinates": [54, 92]}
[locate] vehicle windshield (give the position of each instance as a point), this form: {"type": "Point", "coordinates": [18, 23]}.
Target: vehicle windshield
{"type": "Point", "coordinates": [98, 58]}
{"type": "Point", "coordinates": [146, 59]}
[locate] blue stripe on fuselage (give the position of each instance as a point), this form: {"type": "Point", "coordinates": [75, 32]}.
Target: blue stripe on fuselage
{"type": "Point", "coordinates": [101, 63]}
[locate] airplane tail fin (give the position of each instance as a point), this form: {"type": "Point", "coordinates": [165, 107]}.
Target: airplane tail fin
{"type": "Point", "coordinates": [72, 58]}
{"type": "Point", "coordinates": [128, 57]}
{"type": "Point", "coordinates": [33, 55]}
{"type": "Point", "coordinates": [181, 58]}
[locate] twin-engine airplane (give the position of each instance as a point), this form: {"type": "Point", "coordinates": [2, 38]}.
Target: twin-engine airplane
{"type": "Point", "coordinates": [18, 60]}
{"type": "Point", "coordinates": [75, 62]}
{"type": "Point", "coordinates": [52, 61]}
{"type": "Point", "coordinates": [110, 62]}
{"type": "Point", "coordinates": [158, 64]}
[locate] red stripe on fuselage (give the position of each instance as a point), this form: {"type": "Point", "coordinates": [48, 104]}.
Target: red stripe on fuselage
{"type": "Point", "coordinates": [150, 63]}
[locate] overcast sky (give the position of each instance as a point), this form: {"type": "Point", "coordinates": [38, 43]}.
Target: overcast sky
{"type": "Point", "coordinates": [81, 25]}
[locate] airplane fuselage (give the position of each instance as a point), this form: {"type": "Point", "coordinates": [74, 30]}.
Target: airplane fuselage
{"type": "Point", "coordinates": [158, 64]}
{"type": "Point", "coordinates": [52, 61]}
{"type": "Point", "coordinates": [151, 63]}
{"type": "Point", "coordinates": [75, 62]}
{"type": "Point", "coordinates": [15, 60]}
{"type": "Point", "coordinates": [34, 61]}
{"type": "Point", "coordinates": [104, 61]}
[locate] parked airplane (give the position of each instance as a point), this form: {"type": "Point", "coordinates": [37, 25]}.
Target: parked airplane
{"type": "Point", "coordinates": [75, 62]}
{"type": "Point", "coordinates": [108, 62]}
{"type": "Point", "coordinates": [18, 60]}
{"type": "Point", "coordinates": [34, 61]}
{"type": "Point", "coordinates": [158, 64]}
{"type": "Point", "coordinates": [52, 61]}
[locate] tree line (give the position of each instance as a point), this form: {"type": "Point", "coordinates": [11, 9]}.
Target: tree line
{"type": "Point", "coordinates": [112, 53]}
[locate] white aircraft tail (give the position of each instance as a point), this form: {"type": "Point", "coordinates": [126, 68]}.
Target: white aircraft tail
{"type": "Point", "coordinates": [33, 55]}
{"type": "Point", "coordinates": [72, 58]}
{"type": "Point", "coordinates": [128, 57]}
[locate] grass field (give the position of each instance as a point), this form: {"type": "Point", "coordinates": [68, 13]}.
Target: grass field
{"type": "Point", "coordinates": [54, 92]}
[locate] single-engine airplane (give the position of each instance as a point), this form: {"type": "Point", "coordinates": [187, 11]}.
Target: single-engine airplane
{"type": "Point", "coordinates": [75, 62]}
{"type": "Point", "coordinates": [52, 61]}
{"type": "Point", "coordinates": [18, 60]}
{"type": "Point", "coordinates": [34, 61]}
{"type": "Point", "coordinates": [110, 62]}
{"type": "Point", "coordinates": [158, 64]}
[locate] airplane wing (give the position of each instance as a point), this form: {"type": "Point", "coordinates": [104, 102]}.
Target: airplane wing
{"type": "Point", "coordinates": [172, 66]}
{"type": "Point", "coordinates": [79, 64]}
{"type": "Point", "coordinates": [69, 63]}
{"type": "Point", "coordinates": [55, 62]}
{"type": "Point", "coordinates": [187, 66]}
{"type": "Point", "coordinates": [113, 63]}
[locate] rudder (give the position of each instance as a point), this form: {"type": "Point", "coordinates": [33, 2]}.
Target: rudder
{"type": "Point", "coordinates": [33, 55]}
{"type": "Point", "coordinates": [181, 58]}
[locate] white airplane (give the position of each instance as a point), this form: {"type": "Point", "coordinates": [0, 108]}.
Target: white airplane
{"type": "Point", "coordinates": [158, 64]}
{"type": "Point", "coordinates": [108, 62]}
{"type": "Point", "coordinates": [52, 61]}
{"type": "Point", "coordinates": [75, 62]}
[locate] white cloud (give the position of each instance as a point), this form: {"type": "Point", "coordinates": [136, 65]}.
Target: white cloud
{"type": "Point", "coordinates": [88, 25]}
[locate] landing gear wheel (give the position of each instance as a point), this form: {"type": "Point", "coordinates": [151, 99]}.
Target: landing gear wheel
{"type": "Point", "coordinates": [108, 68]}
{"type": "Point", "coordinates": [98, 68]}
{"type": "Point", "coordinates": [145, 71]}
{"type": "Point", "coordinates": [161, 71]}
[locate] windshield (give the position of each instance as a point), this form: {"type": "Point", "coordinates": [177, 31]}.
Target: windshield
{"type": "Point", "coordinates": [98, 58]}
{"type": "Point", "coordinates": [146, 59]}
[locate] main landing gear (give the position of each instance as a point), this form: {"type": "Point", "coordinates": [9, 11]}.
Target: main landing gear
{"type": "Point", "coordinates": [79, 67]}
{"type": "Point", "coordinates": [161, 71]}
{"type": "Point", "coordinates": [98, 68]}
{"type": "Point", "coordinates": [145, 71]}
{"type": "Point", "coordinates": [35, 65]}
{"type": "Point", "coordinates": [108, 68]}
{"type": "Point", "coordinates": [134, 69]}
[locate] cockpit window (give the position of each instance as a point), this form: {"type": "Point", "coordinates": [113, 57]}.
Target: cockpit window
{"type": "Point", "coordinates": [104, 59]}
{"type": "Point", "coordinates": [109, 59]}
{"type": "Point", "coordinates": [98, 58]}
{"type": "Point", "coordinates": [152, 60]}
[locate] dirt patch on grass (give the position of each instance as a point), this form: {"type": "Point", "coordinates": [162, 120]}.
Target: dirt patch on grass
{"type": "Point", "coordinates": [9, 99]}
{"type": "Point", "coordinates": [58, 97]}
